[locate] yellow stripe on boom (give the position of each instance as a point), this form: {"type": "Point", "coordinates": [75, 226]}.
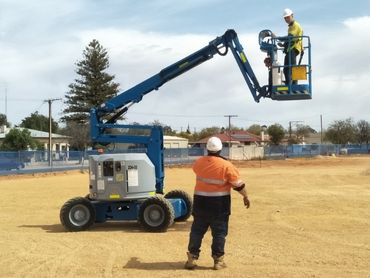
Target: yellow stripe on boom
{"type": "Point", "coordinates": [282, 88]}
{"type": "Point", "coordinates": [242, 56]}
{"type": "Point", "coordinates": [114, 196]}
{"type": "Point", "coordinates": [183, 64]}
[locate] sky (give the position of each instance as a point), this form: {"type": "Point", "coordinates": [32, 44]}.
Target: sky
{"type": "Point", "coordinates": [41, 42]}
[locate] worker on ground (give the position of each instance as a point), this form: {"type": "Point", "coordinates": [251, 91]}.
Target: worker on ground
{"type": "Point", "coordinates": [215, 176]}
{"type": "Point", "coordinates": [292, 44]}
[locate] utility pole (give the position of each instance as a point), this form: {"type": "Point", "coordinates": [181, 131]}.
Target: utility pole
{"type": "Point", "coordinates": [5, 84]}
{"type": "Point", "coordinates": [230, 116]}
{"type": "Point", "coordinates": [263, 129]}
{"type": "Point", "coordinates": [50, 101]}
{"type": "Point", "coordinates": [321, 128]}
{"type": "Point", "coordinates": [6, 102]}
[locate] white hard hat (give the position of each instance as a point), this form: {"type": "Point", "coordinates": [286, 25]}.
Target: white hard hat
{"type": "Point", "coordinates": [287, 12]}
{"type": "Point", "coordinates": [214, 144]}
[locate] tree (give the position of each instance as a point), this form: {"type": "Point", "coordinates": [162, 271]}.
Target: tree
{"type": "Point", "coordinates": [79, 135]}
{"type": "Point", "coordinates": [94, 86]}
{"type": "Point", "coordinates": [363, 132]}
{"type": "Point", "coordinates": [18, 140]}
{"type": "Point", "coordinates": [302, 131]}
{"type": "Point", "coordinates": [185, 134]}
{"type": "Point", "coordinates": [341, 132]}
{"type": "Point", "coordinates": [4, 120]}
{"type": "Point", "coordinates": [167, 130]}
{"type": "Point", "coordinates": [39, 122]}
{"type": "Point", "coordinates": [276, 133]}
{"type": "Point", "coordinates": [293, 140]}
{"type": "Point", "coordinates": [206, 132]}
{"type": "Point", "coordinates": [188, 130]}
{"type": "Point", "coordinates": [255, 129]}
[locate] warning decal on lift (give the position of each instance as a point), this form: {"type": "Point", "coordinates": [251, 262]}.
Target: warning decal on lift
{"type": "Point", "coordinates": [132, 175]}
{"type": "Point", "coordinates": [101, 185]}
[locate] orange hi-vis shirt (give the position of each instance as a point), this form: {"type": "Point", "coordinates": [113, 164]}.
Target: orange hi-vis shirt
{"type": "Point", "coordinates": [215, 176]}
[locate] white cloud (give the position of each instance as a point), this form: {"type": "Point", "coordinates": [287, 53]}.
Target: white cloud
{"type": "Point", "coordinates": [213, 88]}
{"type": "Point", "coordinates": [40, 44]}
{"type": "Point", "coordinates": [343, 51]}
{"type": "Point", "coordinates": [358, 25]}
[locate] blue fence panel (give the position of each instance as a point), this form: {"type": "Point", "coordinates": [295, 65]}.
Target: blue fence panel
{"type": "Point", "coordinates": [10, 161]}
{"type": "Point", "coordinates": [357, 149]}
{"type": "Point", "coordinates": [275, 152]}
{"type": "Point", "coordinates": [196, 151]}
{"type": "Point", "coordinates": [38, 161]}
{"type": "Point", "coordinates": [284, 151]}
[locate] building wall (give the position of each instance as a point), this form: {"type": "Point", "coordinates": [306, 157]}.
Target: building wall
{"type": "Point", "coordinates": [173, 142]}
{"type": "Point", "coordinates": [246, 152]}
{"type": "Point", "coordinates": [314, 138]}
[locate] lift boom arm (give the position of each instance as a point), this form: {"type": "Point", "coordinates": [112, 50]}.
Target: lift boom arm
{"type": "Point", "coordinates": [119, 105]}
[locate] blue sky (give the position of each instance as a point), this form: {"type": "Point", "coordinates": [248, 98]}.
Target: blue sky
{"type": "Point", "coordinates": [41, 42]}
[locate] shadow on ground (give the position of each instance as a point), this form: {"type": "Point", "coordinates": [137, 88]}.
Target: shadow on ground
{"type": "Point", "coordinates": [124, 226]}
{"type": "Point", "coordinates": [135, 263]}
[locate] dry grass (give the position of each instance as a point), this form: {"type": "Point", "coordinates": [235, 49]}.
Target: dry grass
{"type": "Point", "coordinates": [308, 218]}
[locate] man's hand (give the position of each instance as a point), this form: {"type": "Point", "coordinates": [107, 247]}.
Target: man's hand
{"type": "Point", "coordinates": [246, 202]}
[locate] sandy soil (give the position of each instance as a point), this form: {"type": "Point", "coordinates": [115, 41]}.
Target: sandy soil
{"type": "Point", "coordinates": [308, 218]}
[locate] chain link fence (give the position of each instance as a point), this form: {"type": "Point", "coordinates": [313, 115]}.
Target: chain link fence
{"type": "Point", "coordinates": [39, 161]}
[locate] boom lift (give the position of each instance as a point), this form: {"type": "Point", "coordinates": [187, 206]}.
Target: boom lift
{"type": "Point", "coordinates": [124, 186]}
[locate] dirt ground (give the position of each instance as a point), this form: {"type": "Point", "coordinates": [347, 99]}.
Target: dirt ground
{"type": "Point", "coordinates": [308, 218]}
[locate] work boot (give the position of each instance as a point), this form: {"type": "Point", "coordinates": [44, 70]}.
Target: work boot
{"type": "Point", "coordinates": [191, 263]}
{"type": "Point", "coordinates": [218, 263]}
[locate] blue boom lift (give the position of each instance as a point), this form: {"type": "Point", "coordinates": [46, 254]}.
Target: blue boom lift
{"type": "Point", "coordinates": [129, 186]}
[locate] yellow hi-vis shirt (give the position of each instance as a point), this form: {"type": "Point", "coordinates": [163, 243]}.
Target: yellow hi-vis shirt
{"type": "Point", "coordinates": [295, 30]}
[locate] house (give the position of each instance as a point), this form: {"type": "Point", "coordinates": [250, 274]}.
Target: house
{"type": "Point", "coordinates": [60, 143]}
{"type": "Point", "coordinates": [243, 145]}
{"type": "Point", "coordinates": [235, 138]}
{"type": "Point", "coordinates": [315, 138]}
{"type": "Point", "coordinates": [175, 142]}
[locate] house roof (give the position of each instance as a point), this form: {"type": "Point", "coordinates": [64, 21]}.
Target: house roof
{"type": "Point", "coordinates": [241, 136]}
{"type": "Point", "coordinates": [35, 133]}
{"type": "Point", "coordinates": [174, 138]}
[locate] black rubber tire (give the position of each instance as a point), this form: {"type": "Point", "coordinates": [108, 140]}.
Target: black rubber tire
{"type": "Point", "coordinates": [179, 194]}
{"type": "Point", "coordinates": [77, 214]}
{"type": "Point", "coordinates": [156, 214]}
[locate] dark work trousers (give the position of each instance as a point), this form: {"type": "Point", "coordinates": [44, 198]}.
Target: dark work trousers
{"type": "Point", "coordinates": [290, 59]}
{"type": "Point", "coordinates": [219, 228]}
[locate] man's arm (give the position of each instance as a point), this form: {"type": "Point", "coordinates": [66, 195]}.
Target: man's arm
{"type": "Point", "coordinates": [237, 184]}
{"type": "Point", "coordinates": [243, 191]}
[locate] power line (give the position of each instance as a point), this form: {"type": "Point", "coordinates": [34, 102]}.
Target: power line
{"type": "Point", "coordinates": [38, 108]}
{"type": "Point", "coordinates": [177, 115]}
{"type": "Point", "coordinates": [23, 99]}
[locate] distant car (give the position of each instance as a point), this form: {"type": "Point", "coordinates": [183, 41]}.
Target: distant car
{"type": "Point", "coordinates": [11, 165]}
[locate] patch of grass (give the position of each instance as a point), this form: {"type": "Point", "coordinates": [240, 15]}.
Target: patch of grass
{"type": "Point", "coordinates": [366, 172]}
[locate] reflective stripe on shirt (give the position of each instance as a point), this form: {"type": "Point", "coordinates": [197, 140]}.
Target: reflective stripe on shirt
{"type": "Point", "coordinates": [237, 183]}
{"type": "Point", "coordinates": [211, 181]}
{"type": "Point", "coordinates": [211, 194]}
